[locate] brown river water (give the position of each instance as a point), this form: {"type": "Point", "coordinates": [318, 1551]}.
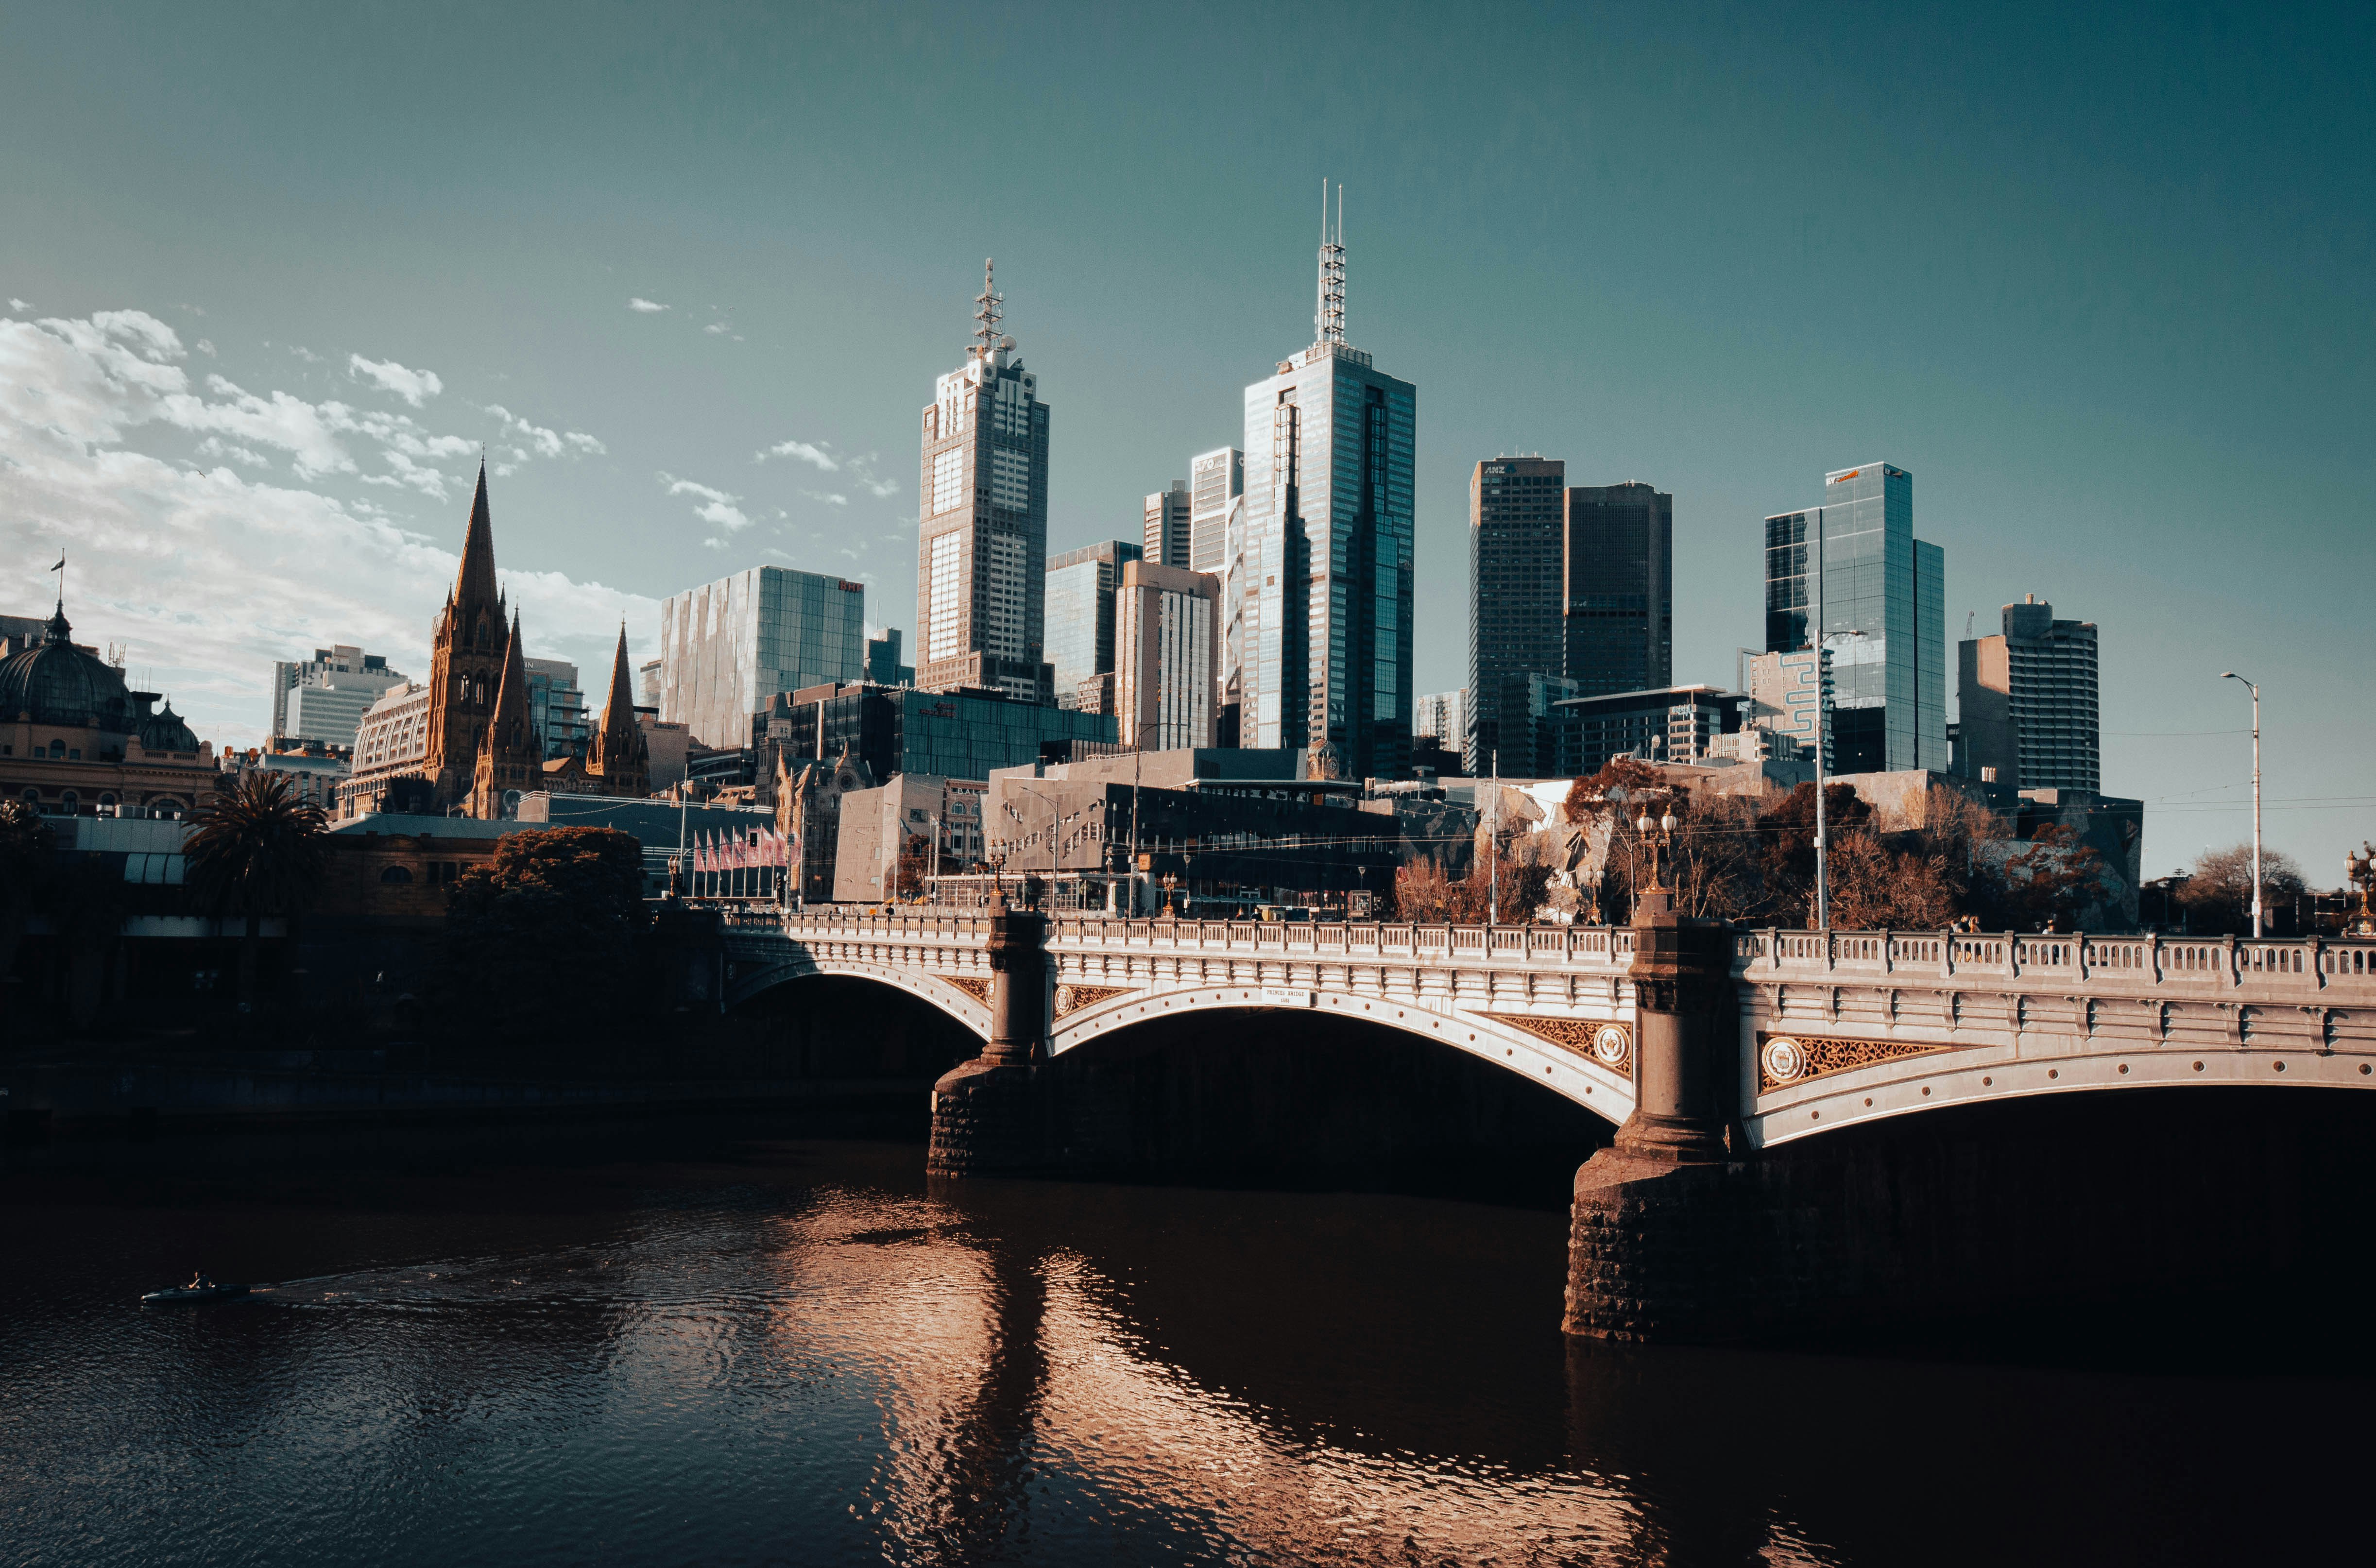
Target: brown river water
{"type": "Point", "coordinates": [693, 1343]}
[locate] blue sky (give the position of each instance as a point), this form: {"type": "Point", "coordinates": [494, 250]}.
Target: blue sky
{"type": "Point", "coordinates": [2100, 278]}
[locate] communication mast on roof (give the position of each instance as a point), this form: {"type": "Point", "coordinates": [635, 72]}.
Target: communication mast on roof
{"type": "Point", "coordinates": [1328, 325]}
{"type": "Point", "coordinates": [989, 306]}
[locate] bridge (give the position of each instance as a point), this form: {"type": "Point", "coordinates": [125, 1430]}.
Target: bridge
{"type": "Point", "coordinates": [1772, 1092]}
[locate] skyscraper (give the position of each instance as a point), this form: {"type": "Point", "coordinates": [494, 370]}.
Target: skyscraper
{"type": "Point", "coordinates": [1081, 584]}
{"type": "Point", "coordinates": [1617, 621]}
{"type": "Point", "coordinates": [1514, 592]}
{"type": "Point", "coordinates": [982, 549]}
{"type": "Point", "coordinates": [1885, 624]}
{"type": "Point", "coordinates": [1217, 483]}
{"type": "Point", "coordinates": [1326, 591]}
{"type": "Point", "coordinates": [2026, 701]}
{"type": "Point", "coordinates": [1167, 654]}
{"type": "Point", "coordinates": [1165, 538]}
{"type": "Point", "coordinates": [345, 681]}
{"type": "Point", "coordinates": [727, 648]}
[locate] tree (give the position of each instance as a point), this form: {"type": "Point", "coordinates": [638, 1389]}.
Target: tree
{"type": "Point", "coordinates": [2046, 886]}
{"type": "Point", "coordinates": [258, 851]}
{"type": "Point", "coordinates": [1877, 888]}
{"type": "Point", "coordinates": [544, 936]}
{"type": "Point", "coordinates": [2218, 892]}
{"type": "Point", "coordinates": [27, 847]}
{"type": "Point", "coordinates": [914, 866]}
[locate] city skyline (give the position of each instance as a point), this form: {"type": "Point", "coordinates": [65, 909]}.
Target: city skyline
{"type": "Point", "coordinates": [614, 496]}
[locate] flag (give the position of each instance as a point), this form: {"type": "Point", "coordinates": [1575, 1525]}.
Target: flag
{"type": "Point", "coordinates": [62, 562]}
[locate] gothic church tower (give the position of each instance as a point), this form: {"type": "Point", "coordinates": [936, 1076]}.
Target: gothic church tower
{"type": "Point", "coordinates": [620, 756]}
{"type": "Point", "coordinates": [509, 759]}
{"type": "Point", "coordinates": [467, 664]}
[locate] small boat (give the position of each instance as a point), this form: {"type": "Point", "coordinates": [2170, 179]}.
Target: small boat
{"type": "Point", "coordinates": [175, 1295]}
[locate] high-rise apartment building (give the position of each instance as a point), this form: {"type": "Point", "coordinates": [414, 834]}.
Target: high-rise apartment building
{"type": "Point", "coordinates": [1167, 656]}
{"type": "Point", "coordinates": [1513, 591]}
{"type": "Point", "coordinates": [1080, 598]}
{"type": "Point", "coordinates": [1885, 624]}
{"type": "Point", "coordinates": [728, 646]}
{"type": "Point", "coordinates": [1617, 630]}
{"type": "Point", "coordinates": [344, 681]}
{"type": "Point", "coordinates": [1165, 534]}
{"type": "Point", "coordinates": [2027, 702]}
{"type": "Point", "coordinates": [982, 552]}
{"type": "Point", "coordinates": [1326, 590]}
{"type": "Point", "coordinates": [1217, 486]}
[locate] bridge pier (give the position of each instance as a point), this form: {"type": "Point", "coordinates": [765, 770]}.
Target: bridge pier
{"type": "Point", "coordinates": [999, 1114]}
{"type": "Point", "coordinates": [1654, 1233]}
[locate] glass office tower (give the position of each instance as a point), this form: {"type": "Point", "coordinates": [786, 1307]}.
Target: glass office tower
{"type": "Point", "coordinates": [1081, 584]}
{"type": "Point", "coordinates": [1327, 581]}
{"type": "Point", "coordinates": [1885, 624]}
{"type": "Point", "coordinates": [1513, 594]}
{"type": "Point", "coordinates": [728, 646]}
{"type": "Point", "coordinates": [1617, 619]}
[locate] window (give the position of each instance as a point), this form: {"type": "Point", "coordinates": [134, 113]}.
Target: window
{"type": "Point", "coordinates": [397, 873]}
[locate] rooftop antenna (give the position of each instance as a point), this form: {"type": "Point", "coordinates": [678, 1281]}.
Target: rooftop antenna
{"type": "Point", "coordinates": [988, 307]}
{"type": "Point", "coordinates": [1970, 616]}
{"type": "Point", "coordinates": [1329, 323]}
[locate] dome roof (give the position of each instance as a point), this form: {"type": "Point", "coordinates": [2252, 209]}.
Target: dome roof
{"type": "Point", "coordinates": [60, 684]}
{"type": "Point", "coordinates": [166, 731]}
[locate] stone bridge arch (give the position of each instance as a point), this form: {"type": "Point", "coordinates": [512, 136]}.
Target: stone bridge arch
{"type": "Point", "coordinates": [963, 999]}
{"type": "Point", "coordinates": [1586, 1060]}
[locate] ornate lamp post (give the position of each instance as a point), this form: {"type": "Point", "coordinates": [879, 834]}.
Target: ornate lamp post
{"type": "Point", "coordinates": [1659, 835]}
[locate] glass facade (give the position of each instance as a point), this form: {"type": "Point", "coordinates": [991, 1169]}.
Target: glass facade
{"type": "Point", "coordinates": [556, 707]}
{"type": "Point", "coordinates": [1325, 594]}
{"type": "Point", "coordinates": [1618, 618]}
{"type": "Point", "coordinates": [728, 646]}
{"type": "Point", "coordinates": [1513, 593]}
{"type": "Point", "coordinates": [1882, 597]}
{"type": "Point", "coordinates": [1081, 612]}
{"type": "Point", "coordinates": [945, 734]}
{"type": "Point", "coordinates": [982, 542]}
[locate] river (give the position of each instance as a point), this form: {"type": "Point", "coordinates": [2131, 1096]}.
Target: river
{"type": "Point", "coordinates": [693, 1344]}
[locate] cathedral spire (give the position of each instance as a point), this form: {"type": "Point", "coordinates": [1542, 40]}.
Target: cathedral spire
{"type": "Point", "coordinates": [511, 691]}
{"type": "Point", "coordinates": [474, 584]}
{"type": "Point", "coordinates": [619, 712]}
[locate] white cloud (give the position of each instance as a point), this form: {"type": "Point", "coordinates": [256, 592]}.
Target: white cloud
{"type": "Point", "coordinates": [647, 307]}
{"type": "Point", "coordinates": [715, 329]}
{"type": "Point", "coordinates": [816, 456]}
{"type": "Point", "coordinates": [828, 497]}
{"type": "Point", "coordinates": [716, 506]}
{"type": "Point", "coordinates": [308, 355]}
{"type": "Point", "coordinates": [415, 386]}
{"type": "Point", "coordinates": [209, 575]}
{"type": "Point", "coordinates": [20, 304]}
{"type": "Point", "coordinates": [205, 348]}
{"type": "Point", "coordinates": [713, 543]}
{"type": "Point", "coordinates": [215, 446]}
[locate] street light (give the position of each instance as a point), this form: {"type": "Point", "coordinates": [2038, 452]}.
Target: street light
{"type": "Point", "coordinates": [2231, 675]}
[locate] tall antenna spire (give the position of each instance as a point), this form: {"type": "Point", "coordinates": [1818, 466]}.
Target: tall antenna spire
{"type": "Point", "coordinates": [1328, 325]}
{"type": "Point", "coordinates": [988, 306]}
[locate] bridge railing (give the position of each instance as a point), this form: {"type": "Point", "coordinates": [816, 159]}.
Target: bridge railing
{"type": "Point", "coordinates": [2179, 963]}
{"type": "Point", "coordinates": [1352, 941]}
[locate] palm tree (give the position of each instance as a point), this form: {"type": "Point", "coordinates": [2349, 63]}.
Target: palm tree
{"type": "Point", "coordinates": [257, 851]}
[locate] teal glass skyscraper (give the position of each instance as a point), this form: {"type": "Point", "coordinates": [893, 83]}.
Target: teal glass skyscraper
{"type": "Point", "coordinates": [1884, 624]}
{"type": "Point", "coordinates": [1325, 587]}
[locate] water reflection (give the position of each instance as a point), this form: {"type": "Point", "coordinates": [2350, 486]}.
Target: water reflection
{"type": "Point", "coordinates": [805, 1356]}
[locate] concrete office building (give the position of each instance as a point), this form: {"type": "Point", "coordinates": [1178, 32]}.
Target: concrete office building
{"type": "Point", "coordinates": [1080, 598]}
{"type": "Point", "coordinates": [982, 549]}
{"type": "Point", "coordinates": [356, 678]}
{"type": "Point", "coordinates": [1165, 532]}
{"type": "Point", "coordinates": [647, 683]}
{"type": "Point", "coordinates": [1884, 631]}
{"type": "Point", "coordinates": [1514, 564]}
{"type": "Point", "coordinates": [1617, 631]}
{"type": "Point", "coordinates": [1783, 697]}
{"type": "Point", "coordinates": [1441, 716]}
{"type": "Point", "coordinates": [1217, 486]}
{"type": "Point", "coordinates": [1167, 657]}
{"type": "Point", "coordinates": [2027, 702]}
{"type": "Point", "coordinates": [728, 646]}
{"type": "Point", "coordinates": [1326, 595]}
